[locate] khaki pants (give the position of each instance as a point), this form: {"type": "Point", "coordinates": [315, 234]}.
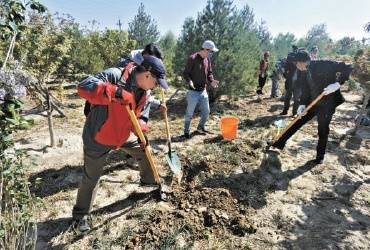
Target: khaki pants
{"type": "Point", "coordinates": [94, 163]}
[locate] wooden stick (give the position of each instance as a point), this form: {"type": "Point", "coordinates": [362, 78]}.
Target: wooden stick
{"type": "Point", "coordinates": [313, 103]}
{"type": "Point", "coordinates": [148, 151]}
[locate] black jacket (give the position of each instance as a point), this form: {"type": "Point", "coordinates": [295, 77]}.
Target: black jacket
{"type": "Point", "coordinates": [319, 75]}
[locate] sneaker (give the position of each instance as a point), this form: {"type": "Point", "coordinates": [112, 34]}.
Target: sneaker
{"type": "Point", "coordinates": [81, 226]}
{"type": "Point", "coordinates": [187, 135]}
{"type": "Point", "coordinates": [202, 131]}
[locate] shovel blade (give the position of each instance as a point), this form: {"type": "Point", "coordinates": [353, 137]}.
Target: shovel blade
{"type": "Point", "coordinates": [174, 162]}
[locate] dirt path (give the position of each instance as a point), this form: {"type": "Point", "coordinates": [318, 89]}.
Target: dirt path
{"type": "Point", "coordinates": [232, 195]}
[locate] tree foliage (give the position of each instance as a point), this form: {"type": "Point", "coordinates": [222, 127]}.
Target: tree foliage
{"type": "Point", "coordinates": [235, 34]}
{"type": "Point", "coordinates": [143, 28]}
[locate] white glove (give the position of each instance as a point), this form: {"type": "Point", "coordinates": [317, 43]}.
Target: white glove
{"type": "Point", "coordinates": [300, 109]}
{"type": "Point", "coordinates": [331, 88]}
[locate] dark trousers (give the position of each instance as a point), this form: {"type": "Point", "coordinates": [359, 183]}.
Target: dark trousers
{"type": "Point", "coordinates": [292, 89]}
{"type": "Point", "coordinates": [324, 116]}
{"type": "Point", "coordinates": [261, 83]}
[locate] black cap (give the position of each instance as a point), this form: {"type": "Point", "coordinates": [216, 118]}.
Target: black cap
{"type": "Point", "coordinates": [302, 56]}
{"type": "Point", "coordinates": [156, 67]}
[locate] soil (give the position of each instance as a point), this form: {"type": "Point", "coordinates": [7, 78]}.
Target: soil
{"type": "Point", "coordinates": [231, 195]}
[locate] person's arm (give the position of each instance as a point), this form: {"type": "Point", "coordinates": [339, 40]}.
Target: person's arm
{"type": "Point", "coordinates": [210, 77]}
{"type": "Point", "coordinates": [187, 71]}
{"type": "Point", "coordinates": [102, 89]}
{"type": "Point", "coordinates": [345, 71]}
{"type": "Point", "coordinates": [306, 92]}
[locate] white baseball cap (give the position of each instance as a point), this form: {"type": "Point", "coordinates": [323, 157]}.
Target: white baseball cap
{"type": "Point", "coordinates": [208, 44]}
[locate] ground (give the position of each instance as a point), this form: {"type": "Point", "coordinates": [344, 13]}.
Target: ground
{"type": "Point", "coordinates": [231, 195]}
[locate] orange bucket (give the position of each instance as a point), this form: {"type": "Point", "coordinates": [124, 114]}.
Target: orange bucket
{"type": "Point", "coordinates": [229, 127]}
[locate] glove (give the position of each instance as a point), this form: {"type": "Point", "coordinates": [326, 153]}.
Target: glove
{"type": "Point", "coordinates": [124, 96]}
{"type": "Point", "coordinates": [331, 88]}
{"type": "Point", "coordinates": [142, 144]}
{"type": "Point", "coordinates": [300, 109]}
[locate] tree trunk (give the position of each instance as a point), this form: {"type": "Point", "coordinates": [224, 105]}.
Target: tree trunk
{"type": "Point", "coordinates": [50, 120]}
{"type": "Point", "coordinates": [10, 50]}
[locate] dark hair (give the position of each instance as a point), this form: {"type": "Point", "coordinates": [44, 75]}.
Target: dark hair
{"type": "Point", "coordinates": [302, 56]}
{"type": "Point", "coordinates": [153, 50]}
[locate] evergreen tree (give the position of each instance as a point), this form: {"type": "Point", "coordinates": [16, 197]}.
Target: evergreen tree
{"type": "Point", "coordinates": [283, 44]}
{"type": "Point", "coordinates": [168, 45]}
{"type": "Point", "coordinates": [234, 33]}
{"type": "Point", "coordinates": [143, 28]}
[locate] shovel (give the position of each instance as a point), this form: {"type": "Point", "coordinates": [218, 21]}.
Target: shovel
{"type": "Point", "coordinates": [171, 156]}
{"type": "Point", "coordinates": [278, 136]}
{"type": "Point", "coordinates": [148, 150]}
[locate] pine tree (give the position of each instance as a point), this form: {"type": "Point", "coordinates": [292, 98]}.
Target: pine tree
{"type": "Point", "coordinates": [143, 28]}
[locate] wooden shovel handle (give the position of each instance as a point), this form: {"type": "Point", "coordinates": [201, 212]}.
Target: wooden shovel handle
{"type": "Point", "coordinates": [166, 118]}
{"type": "Point", "coordinates": [148, 151]}
{"type": "Point", "coordinates": [317, 99]}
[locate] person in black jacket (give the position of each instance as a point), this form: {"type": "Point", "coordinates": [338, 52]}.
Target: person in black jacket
{"type": "Point", "coordinates": [320, 77]}
{"type": "Point", "coordinates": [292, 83]}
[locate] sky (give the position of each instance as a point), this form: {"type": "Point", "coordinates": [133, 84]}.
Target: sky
{"type": "Point", "coordinates": [342, 17]}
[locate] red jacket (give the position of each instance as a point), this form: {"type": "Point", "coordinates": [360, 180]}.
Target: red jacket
{"type": "Point", "coordinates": [108, 123]}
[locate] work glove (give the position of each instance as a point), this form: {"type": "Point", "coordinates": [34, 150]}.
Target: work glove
{"type": "Point", "coordinates": [331, 88]}
{"type": "Point", "coordinates": [300, 109]}
{"type": "Point", "coordinates": [123, 96]}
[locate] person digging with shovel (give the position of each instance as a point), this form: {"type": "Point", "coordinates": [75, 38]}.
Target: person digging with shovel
{"type": "Point", "coordinates": [322, 83]}
{"type": "Point", "coordinates": [109, 126]}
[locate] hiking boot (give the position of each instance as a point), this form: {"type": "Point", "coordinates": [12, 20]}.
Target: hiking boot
{"type": "Point", "coordinates": [187, 135]}
{"type": "Point", "coordinates": [81, 226]}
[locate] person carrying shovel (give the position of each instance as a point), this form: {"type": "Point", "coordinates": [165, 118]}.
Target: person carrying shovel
{"type": "Point", "coordinates": [113, 93]}
{"type": "Point", "coordinates": [320, 87]}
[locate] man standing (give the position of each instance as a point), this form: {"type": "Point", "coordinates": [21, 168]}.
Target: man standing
{"type": "Point", "coordinates": [321, 77]}
{"type": "Point", "coordinates": [262, 75]}
{"type": "Point", "coordinates": [291, 86]}
{"type": "Point", "coordinates": [198, 75]}
{"type": "Point", "coordinates": [313, 53]}
{"type": "Point", "coordinates": [108, 125]}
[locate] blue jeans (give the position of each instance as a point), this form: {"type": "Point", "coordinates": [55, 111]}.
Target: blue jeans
{"type": "Point", "coordinates": [193, 98]}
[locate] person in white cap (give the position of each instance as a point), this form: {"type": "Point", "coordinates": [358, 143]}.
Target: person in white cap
{"type": "Point", "coordinates": [198, 75]}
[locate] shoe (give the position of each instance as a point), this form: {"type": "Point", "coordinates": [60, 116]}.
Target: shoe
{"type": "Point", "coordinates": [81, 225]}
{"type": "Point", "coordinates": [319, 160]}
{"type": "Point", "coordinates": [202, 131]}
{"type": "Point", "coordinates": [144, 184]}
{"type": "Point", "coordinates": [187, 135]}
{"type": "Point", "coordinates": [284, 113]}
